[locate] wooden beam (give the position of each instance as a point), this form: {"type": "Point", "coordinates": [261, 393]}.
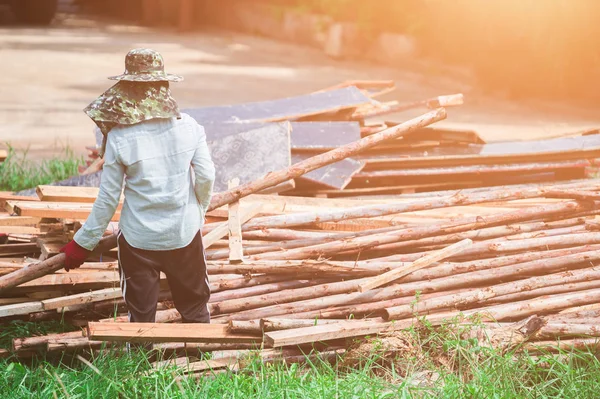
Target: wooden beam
{"type": "Point", "coordinates": [158, 332]}
{"type": "Point", "coordinates": [420, 263]}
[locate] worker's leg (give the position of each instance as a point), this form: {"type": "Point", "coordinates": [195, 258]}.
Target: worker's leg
{"type": "Point", "coordinates": [140, 281]}
{"type": "Point", "coordinates": [188, 280]}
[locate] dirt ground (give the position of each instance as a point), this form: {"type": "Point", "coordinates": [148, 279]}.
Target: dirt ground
{"type": "Point", "coordinates": [48, 75]}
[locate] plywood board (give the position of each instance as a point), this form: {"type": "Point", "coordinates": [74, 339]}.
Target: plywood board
{"type": "Point", "coordinates": [291, 108]}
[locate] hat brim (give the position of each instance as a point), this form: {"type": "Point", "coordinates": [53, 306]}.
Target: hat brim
{"type": "Point", "coordinates": [148, 77]}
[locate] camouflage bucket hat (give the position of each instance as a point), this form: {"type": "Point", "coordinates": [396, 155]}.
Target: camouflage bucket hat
{"type": "Point", "coordinates": [128, 103]}
{"type": "Point", "coordinates": [145, 65]}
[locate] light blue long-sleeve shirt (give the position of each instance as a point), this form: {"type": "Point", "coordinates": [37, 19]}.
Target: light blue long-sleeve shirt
{"type": "Point", "coordinates": [169, 177]}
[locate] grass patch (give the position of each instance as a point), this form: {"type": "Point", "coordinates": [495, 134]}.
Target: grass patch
{"type": "Point", "coordinates": [469, 371]}
{"type": "Point", "coordinates": [18, 172]}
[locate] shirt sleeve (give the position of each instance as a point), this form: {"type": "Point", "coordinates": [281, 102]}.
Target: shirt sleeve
{"type": "Point", "coordinates": [204, 171]}
{"type": "Point", "coordinates": [106, 203]}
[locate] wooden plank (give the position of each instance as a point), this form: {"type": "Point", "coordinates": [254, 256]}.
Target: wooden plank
{"type": "Point", "coordinates": [8, 196]}
{"type": "Point", "coordinates": [82, 299]}
{"type": "Point", "coordinates": [16, 249]}
{"type": "Point", "coordinates": [20, 230]}
{"type": "Point", "coordinates": [6, 220]}
{"type": "Point", "coordinates": [420, 263]}
{"type": "Point", "coordinates": [327, 332]}
{"type": "Point", "coordinates": [58, 210]}
{"type": "Point", "coordinates": [292, 108]}
{"type": "Point", "coordinates": [159, 332]}
{"type": "Point", "coordinates": [67, 194]}
{"type": "Point", "coordinates": [236, 250]}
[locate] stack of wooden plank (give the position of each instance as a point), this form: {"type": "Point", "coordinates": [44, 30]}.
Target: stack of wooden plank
{"type": "Point", "coordinates": [300, 271]}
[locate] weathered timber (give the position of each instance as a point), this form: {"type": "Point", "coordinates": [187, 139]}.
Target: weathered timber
{"type": "Point", "coordinates": [423, 262]}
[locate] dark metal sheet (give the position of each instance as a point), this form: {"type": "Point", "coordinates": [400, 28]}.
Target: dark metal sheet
{"type": "Point", "coordinates": [305, 136]}
{"type": "Point", "coordinates": [290, 108]}
{"type": "Point", "coordinates": [337, 175]}
{"type": "Point", "coordinates": [251, 155]}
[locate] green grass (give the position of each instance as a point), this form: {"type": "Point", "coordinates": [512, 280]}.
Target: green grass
{"type": "Point", "coordinates": [468, 371]}
{"type": "Point", "coordinates": [18, 172]}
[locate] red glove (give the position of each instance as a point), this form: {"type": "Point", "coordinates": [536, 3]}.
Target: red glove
{"type": "Point", "coordinates": [76, 255]}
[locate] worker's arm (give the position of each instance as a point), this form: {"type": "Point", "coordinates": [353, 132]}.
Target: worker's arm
{"type": "Point", "coordinates": [204, 171]}
{"type": "Point", "coordinates": [107, 201]}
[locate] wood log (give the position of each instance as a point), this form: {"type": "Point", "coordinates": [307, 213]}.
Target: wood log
{"type": "Point", "coordinates": [245, 327]}
{"type": "Point", "coordinates": [277, 324]}
{"type": "Point", "coordinates": [360, 244]}
{"type": "Point", "coordinates": [421, 263]}
{"type": "Point", "coordinates": [157, 332]}
{"type": "Point", "coordinates": [465, 280]}
{"type": "Point", "coordinates": [539, 306]}
{"type": "Point", "coordinates": [474, 296]}
{"type": "Point", "coordinates": [299, 219]}
{"type": "Point", "coordinates": [562, 346]}
{"type": "Point", "coordinates": [566, 330]}
{"type": "Point", "coordinates": [237, 305]}
{"type": "Point", "coordinates": [51, 265]}
{"type": "Point", "coordinates": [39, 342]}
{"type": "Point", "coordinates": [81, 299]}
{"type": "Point", "coordinates": [573, 194]}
